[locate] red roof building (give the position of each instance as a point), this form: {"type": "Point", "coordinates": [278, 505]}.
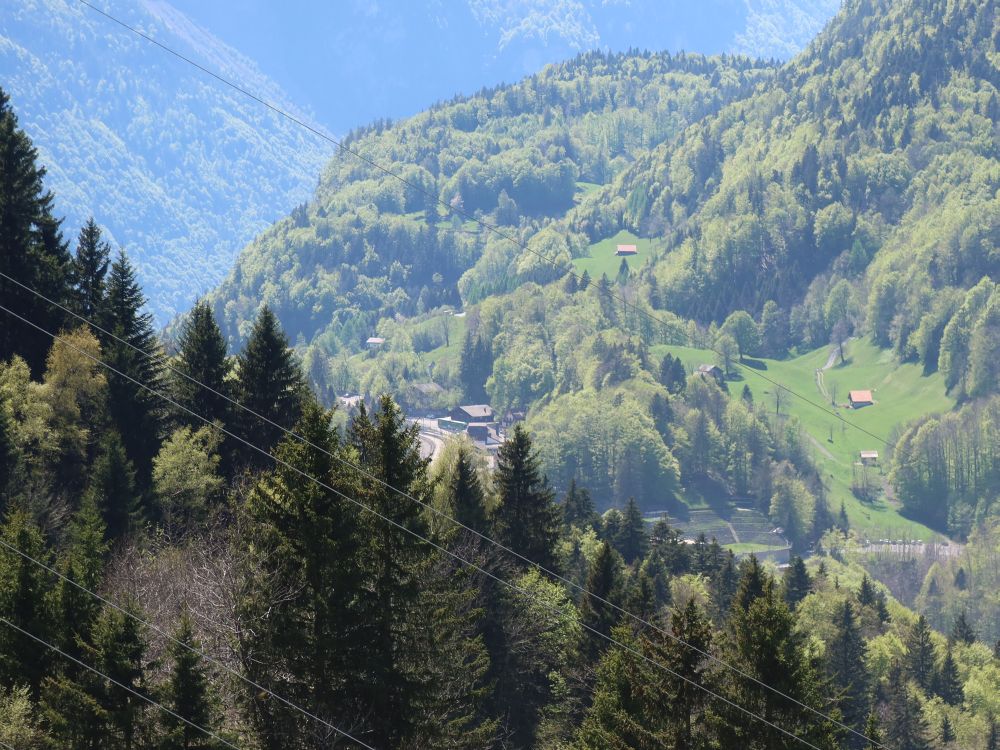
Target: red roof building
{"type": "Point", "coordinates": [627, 250]}
{"type": "Point", "coordinates": [860, 398]}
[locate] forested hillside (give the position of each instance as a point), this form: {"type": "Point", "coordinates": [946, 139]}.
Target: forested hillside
{"type": "Point", "coordinates": [181, 171]}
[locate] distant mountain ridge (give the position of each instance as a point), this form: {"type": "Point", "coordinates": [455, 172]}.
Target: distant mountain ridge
{"type": "Point", "coordinates": [178, 169]}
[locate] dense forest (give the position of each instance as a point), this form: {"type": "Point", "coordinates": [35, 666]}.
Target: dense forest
{"type": "Point", "coordinates": [272, 580]}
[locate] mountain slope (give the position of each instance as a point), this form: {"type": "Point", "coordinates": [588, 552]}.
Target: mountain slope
{"type": "Point", "coordinates": [178, 169]}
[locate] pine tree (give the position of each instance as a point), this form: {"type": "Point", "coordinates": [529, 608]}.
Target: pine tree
{"type": "Point", "coordinates": [632, 539]}
{"type": "Point", "coordinates": [202, 384]}
{"type": "Point", "coordinates": [188, 695]}
{"type": "Point", "coordinates": [905, 727]}
{"type": "Point", "coordinates": [920, 653]}
{"type": "Point", "coordinates": [31, 247]}
{"type": "Point", "coordinates": [269, 385]}
{"type": "Point", "coordinates": [947, 682]}
{"type": "Point", "coordinates": [112, 488]}
{"type": "Point", "coordinates": [962, 631]}
{"type": "Point", "coordinates": [578, 508]}
{"type": "Point", "coordinates": [136, 413]}
{"type": "Point", "coordinates": [604, 581]}
{"type": "Point", "coordinates": [867, 595]}
{"type": "Point", "coordinates": [796, 583]}
{"type": "Point", "coordinates": [88, 271]}
{"type": "Point", "coordinates": [845, 658]}
{"type": "Point", "coordinates": [527, 518]}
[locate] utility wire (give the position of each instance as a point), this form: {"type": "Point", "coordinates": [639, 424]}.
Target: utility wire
{"type": "Point", "coordinates": [457, 557]}
{"type": "Point", "coordinates": [136, 693]}
{"type": "Point", "coordinates": [181, 643]}
{"type": "Point", "coordinates": [441, 514]}
{"type": "Point", "coordinates": [524, 246]}
{"type": "Point", "coordinates": [491, 228]}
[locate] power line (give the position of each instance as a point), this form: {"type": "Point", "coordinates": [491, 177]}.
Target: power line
{"type": "Point", "coordinates": [136, 693]}
{"type": "Point", "coordinates": [445, 516]}
{"type": "Point", "coordinates": [457, 557]}
{"type": "Point", "coordinates": [493, 229]}
{"type": "Point", "coordinates": [181, 643]}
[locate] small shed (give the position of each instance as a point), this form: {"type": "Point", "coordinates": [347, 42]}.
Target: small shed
{"type": "Point", "coordinates": [711, 371]}
{"type": "Point", "coordinates": [627, 250]}
{"type": "Point", "coordinates": [375, 342]}
{"type": "Point", "coordinates": [473, 413]}
{"type": "Point", "coordinates": [869, 458]}
{"type": "Point", "coordinates": [860, 398]}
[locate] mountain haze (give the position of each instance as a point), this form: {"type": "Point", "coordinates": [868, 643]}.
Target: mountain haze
{"type": "Point", "coordinates": [178, 169]}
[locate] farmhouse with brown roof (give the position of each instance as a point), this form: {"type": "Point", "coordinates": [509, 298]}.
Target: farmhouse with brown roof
{"type": "Point", "coordinates": [860, 398]}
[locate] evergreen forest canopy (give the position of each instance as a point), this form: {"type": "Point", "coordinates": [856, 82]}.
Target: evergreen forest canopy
{"type": "Point", "coordinates": [246, 587]}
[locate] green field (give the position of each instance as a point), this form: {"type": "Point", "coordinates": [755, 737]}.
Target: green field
{"type": "Point", "coordinates": [901, 392]}
{"type": "Point", "coordinates": [601, 258]}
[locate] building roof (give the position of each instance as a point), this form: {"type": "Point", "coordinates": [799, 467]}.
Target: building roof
{"type": "Point", "coordinates": [869, 454]}
{"type": "Point", "coordinates": [627, 250]}
{"type": "Point", "coordinates": [708, 369]}
{"type": "Point", "coordinates": [375, 340]}
{"type": "Point", "coordinates": [860, 397]}
{"type": "Point", "coordinates": [477, 410]}
{"type": "Point", "coordinates": [428, 389]}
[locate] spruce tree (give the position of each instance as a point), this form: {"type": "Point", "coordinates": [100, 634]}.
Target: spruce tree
{"type": "Point", "coordinates": [578, 508]}
{"type": "Point", "coordinates": [132, 350]}
{"type": "Point", "coordinates": [200, 381]}
{"type": "Point", "coordinates": [632, 539]}
{"type": "Point", "coordinates": [962, 631]}
{"type": "Point", "coordinates": [873, 731]}
{"type": "Point", "coordinates": [754, 583]}
{"type": "Point", "coordinates": [905, 727]}
{"type": "Point", "coordinates": [23, 601]}
{"type": "Point", "coordinates": [527, 519]}
{"type": "Point", "coordinates": [188, 695]}
{"type": "Point", "coordinates": [993, 736]}
{"type": "Point", "coordinates": [797, 583]}
{"type": "Point", "coordinates": [465, 490]}
{"type": "Point", "coordinates": [867, 594]}
{"type": "Point", "coordinates": [88, 271]}
{"type": "Point", "coordinates": [947, 682]}
{"type": "Point", "coordinates": [112, 488]}
{"type": "Point", "coordinates": [845, 658]}
{"type": "Point", "coordinates": [604, 581]}
{"type": "Point", "coordinates": [269, 384]}
{"type": "Point", "coordinates": [83, 563]}
{"type": "Point", "coordinates": [305, 537]}
{"type": "Point", "coordinates": [8, 452]}
{"type": "Point", "coordinates": [920, 653]}
{"type": "Point", "coordinates": [947, 733]}
{"type": "Point", "coordinates": [31, 247]}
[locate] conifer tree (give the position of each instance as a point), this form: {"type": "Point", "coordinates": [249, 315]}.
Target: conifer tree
{"type": "Point", "coordinates": [873, 731]}
{"type": "Point", "coordinates": [845, 657]}
{"type": "Point", "coordinates": [88, 271]}
{"type": "Point", "coordinates": [8, 452]}
{"type": "Point", "coordinates": [867, 595]}
{"type": "Point", "coordinates": [947, 682]}
{"type": "Point", "coordinates": [527, 519]}
{"type": "Point", "coordinates": [202, 359]}
{"type": "Point", "coordinates": [31, 247]}
{"type": "Point", "coordinates": [578, 508]}
{"type": "Point", "coordinates": [303, 536]}
{"type": "Point", "coordinates": [83, 563]}
{"type": "Point", "coordinates": [947, 733]}
{"type": "Point", "coordinates": [269, 384]}
{"type": "Point", "coordinates": [112, 488]}
{"type": "Point", "coordinates": [754, 583]}
{"type": "Point", "coordinates": [796, 583]}
{"type": "Point", "coordinates": [136, 413]}
{"type": "Point", "coordinates": [468, 501]}
{"type": "Point", "coordinates": [188, 695]}
{"type": "Point", "coordinates": [993, 736]}
{"type": "Point", "coordinates": [920, 653]}
{"type": "Point", "coordinates": [962, 631]}
{"type": "Point", "coordinates": [23, 602]}
{"type": "Point", "coordinates": [905, 727]}
{"type": "Point", "coordinates": [632, 540]}
{"type": "Point", "coordinates": [604, 581]}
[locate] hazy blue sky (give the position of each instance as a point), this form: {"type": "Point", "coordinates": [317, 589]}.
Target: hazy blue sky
{"type": "Point", "coordinates": [355, 60]}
